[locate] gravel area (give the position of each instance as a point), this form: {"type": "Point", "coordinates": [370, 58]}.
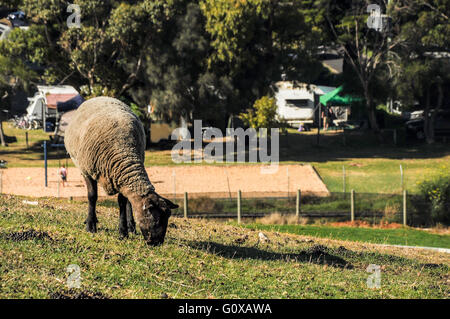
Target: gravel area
{"type": "Point", "coordinates": [197, 180]}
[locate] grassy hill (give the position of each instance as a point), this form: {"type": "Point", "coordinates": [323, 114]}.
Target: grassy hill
{"type": "Point", "coordinates": [401, 236]}
{"type": "Point", "coordinates": [200, 259]}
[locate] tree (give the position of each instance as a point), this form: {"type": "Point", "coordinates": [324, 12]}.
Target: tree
{"type": "Point", "coordinates": [256, 43]}
{"type": "Point", "coordinates": [175, 76]}
{"type": "Point", "coordinates": [20, 53]}
{"type": "Point", "coordinates": [197, 60]}
{"type": "Point", "coordinates": [366, 49]}
{"type": "Point", "coordinates": [424, 68]}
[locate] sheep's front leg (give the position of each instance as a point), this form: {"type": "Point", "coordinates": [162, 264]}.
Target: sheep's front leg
{"type": "Point", "coordinates": [91, 220]}
{"type": "Point", "coordinates": [123, 228]}
{"type": "Point", "coordinates": [131, 224]}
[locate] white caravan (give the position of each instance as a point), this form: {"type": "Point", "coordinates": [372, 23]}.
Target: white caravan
{"type": "Point", "coordinates": [43, 104]}
{"type": "Point", "coordinates": [297, 103]}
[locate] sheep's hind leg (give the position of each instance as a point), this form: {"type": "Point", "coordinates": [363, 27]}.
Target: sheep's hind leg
{"type": "Point", "coordinates": [123, 228]}
{"type": "Point", "coordinates": [91, 220]}
{"type": "Point", "coordinates": [131, 224]}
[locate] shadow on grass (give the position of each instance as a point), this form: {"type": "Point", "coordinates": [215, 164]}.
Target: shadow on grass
{"type": "Point", "coordinates": [10, 139]}
{"type": "Point", "coordinates": [317, 254]}
{"type": "Point", "coordinates": [37, 148]}
{"type": "Point", "coordinates": [358, 144]}
{"type": "Point", "coordinates": [300, 147]}
{"type": "Point", "coordinates": [337, 146]}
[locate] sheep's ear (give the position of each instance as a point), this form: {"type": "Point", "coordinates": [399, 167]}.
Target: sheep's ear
{"type": "Point", "coordinates": [167, 203]}
{"type": "Point", "coordinates": [171, 205]}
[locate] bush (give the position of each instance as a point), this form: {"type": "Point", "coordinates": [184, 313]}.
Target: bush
{"type": "Point", "coordinates": [205, 205]}
{"type": "Point", "coordinates": [392, 213]}
{"type": "Point", "coordinates": [263, 115]}
{"type": "Point", "coordinates": [278, 219]}
{"type": "Point", "coordinates": [437, 193]}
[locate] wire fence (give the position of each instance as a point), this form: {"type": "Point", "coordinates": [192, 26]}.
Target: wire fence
{"type": "Point", "coordinates": [370, 207]}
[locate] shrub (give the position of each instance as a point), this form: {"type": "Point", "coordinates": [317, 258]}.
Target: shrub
{"type": "Point", "coordinates": [205, 205]}
{"type": "Point", "coordinates": [278, 219]}
{"type": "Point", "coordinates": [262, 204]}
{"type": "Point", "coordinates": [392, 213]}
{"type": "Point", "coordinates": [437, 193]}
{"type": "Point", "coordinates": [263, 115]}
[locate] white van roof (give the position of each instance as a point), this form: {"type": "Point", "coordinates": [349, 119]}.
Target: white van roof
{"type": "Point", "coordinates": [56, 89]}
{"type": "Point", "coordinates": [56, 93]}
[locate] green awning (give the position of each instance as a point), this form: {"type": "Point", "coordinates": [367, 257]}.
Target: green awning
{"type": "Point", "coordinates": [335, 99]}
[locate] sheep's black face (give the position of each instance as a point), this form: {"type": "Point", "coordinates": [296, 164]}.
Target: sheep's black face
{"type": "Point", "coordinates": [157, 211]}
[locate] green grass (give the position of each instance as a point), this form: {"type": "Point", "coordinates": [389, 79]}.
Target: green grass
{"type": "Point", "coordinates": [370, 167]}
{"type": "Point", "coordinates": [200, 259]}
{"type": "Point", "coordinates": [399, 236]}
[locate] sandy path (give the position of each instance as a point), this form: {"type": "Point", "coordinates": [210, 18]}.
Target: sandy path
{"type": "Point", "coordinates": [197, 180]}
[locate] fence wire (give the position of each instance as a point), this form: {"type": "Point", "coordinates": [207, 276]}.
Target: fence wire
{"type": "Point", "coordinates": [370, 207]}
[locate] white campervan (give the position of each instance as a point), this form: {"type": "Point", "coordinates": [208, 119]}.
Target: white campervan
{"type": "Point", "coordinates": [296, 103]}
{"type": "Point", "coordinates": [43, 105]}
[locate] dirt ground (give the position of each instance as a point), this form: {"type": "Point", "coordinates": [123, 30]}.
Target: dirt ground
{"type": "Point", "coordinates": [197, 180]}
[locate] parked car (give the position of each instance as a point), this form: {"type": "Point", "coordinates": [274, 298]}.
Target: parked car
{"type": "Point", "coordinates": [13, 20]}
{"type": "Point", "coordinates": [18, 19]}
{"type": "Point", "coordinates": [415, 127]}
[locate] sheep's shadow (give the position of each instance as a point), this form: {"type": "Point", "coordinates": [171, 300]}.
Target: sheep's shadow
{"type": "Point", "coordinates": [317, 254]}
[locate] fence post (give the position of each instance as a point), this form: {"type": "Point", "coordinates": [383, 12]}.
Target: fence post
{"type": "Point", "coordinates": [228, 182]}
{"type": "Point", "coordinates": [45, 162]}
{"type": "Point", "coordinates": [352, 206]}
{"type": "Point", "coordinates": [401, 175]}
{"type": "Point", "coordinates": [174, 185]}
{"type": "Point", "coordinates": [395, 136]}
{"type": "Point", "coordinates": [26, 138]}
{"type": "Point", "coordinates": [343, 178]}
{"type": "Point", "coordinates": [297, 206]}
{"type": "Point", "coordinates": [239, 194]}
{"type": "Point", "coordinates": [287, 173]}
{"type": "Point", "coordinates": [185, 205]}
{"type": "Point", "coordinates": [404, 207]}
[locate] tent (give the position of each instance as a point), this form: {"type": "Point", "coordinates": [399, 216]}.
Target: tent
{"type": "Point", "coordinates": [70, 104]}
{"type": "Point", "coordinates": [51, 100]}
{"type": "Point", "coordinates": [340, 105]}
{"type": "Point", "coordinates": [333, 98]}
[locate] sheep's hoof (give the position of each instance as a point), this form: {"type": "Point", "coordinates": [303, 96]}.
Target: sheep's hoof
{"type": "Point", "coordinates": [91, 227]}
{"type": "Point", "coordinates": [123, 237]}
{"type": "Point", "coordinates": [132, 229]}
{"type": "Point", "coordinates": [123, 233]}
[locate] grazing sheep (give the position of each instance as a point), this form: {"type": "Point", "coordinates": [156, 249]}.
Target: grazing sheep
{"type": "Point", "coordinates": [106, 141]}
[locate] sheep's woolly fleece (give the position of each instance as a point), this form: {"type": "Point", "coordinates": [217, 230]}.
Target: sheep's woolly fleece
{"type": "Point", "coordinates": [106, 141]}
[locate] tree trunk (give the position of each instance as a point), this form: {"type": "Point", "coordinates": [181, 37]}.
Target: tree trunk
{"type": "Point", "coordinates": [426, 118]}
{"type": "Point", "coordinates": [432, 118]}
{"type": "Point", "coordinates": [90, 76]}
{"type": "Point", "coordinates": [372, 116]}
{"type": "Point", "coordinates": [2, 135]}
